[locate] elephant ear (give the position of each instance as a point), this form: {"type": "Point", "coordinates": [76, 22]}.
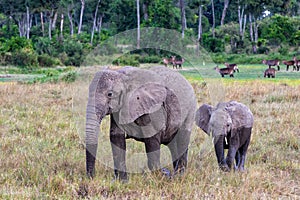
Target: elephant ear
{"type": "Point", "coordinates": [203, 115]}
{"type": "Point", "coordinates": [146, 99]}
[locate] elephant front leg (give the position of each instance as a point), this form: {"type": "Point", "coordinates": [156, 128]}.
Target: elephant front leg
{"type": "Point", "coordinates": [219, 148]}
{"type": "Point", "coordinates": [152, 146]}
{"type": "Point", "coordinates": [118, 144]}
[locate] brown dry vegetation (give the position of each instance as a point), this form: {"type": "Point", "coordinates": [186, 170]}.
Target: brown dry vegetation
{"type": "Point", "coordinates": [42, 155]}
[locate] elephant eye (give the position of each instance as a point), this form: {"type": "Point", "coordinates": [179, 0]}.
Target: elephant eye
{"type": "Point", "coordinates": [110, 94]}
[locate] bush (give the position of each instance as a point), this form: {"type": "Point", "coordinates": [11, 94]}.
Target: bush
{"type": "Point", "coordinates": [263, 50]}
{"type": "Point", "coordinates": [74, 51]}
{"type": "Point", "coordinates": [131, 60]}
{"type": "Point", "coordinates": [47, 61]}
{"type": "Point", "coordinates": [283, 50]}
{"type": "Point", "coordinates": [25, 58]}
{"type": "Point", "coordinates": [69, 76]}
{"type": "Point", "coordinates": [150, 59]}
{"type": "Point", "coordinates": [213, 44]}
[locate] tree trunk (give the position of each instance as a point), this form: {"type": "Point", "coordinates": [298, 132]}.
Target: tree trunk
{"type": "Point", "coordinates": [138, 24]}
{"type": "Point", "coordinates": [61, 25]}
{"type": "Point", "coordinates": [71, 20]}
{"type": "Point", "coordinates": [50, 24]}
{"type": "Point", "coordinates": [240, 15]}
{"type": "Point", "coordinates": [99, 24]}
{"type": "Point", "coordinates": [54, 21]}
{"type": "Point", "coordinates": [145, 11]}
{"type": "Point", "coordinates": [183, 19]}
{"type": "Point", "coordinates": [42, 23]}
{"type": "Point", "coordinates": [199, 30]}
{"type": "Point", "coordinates": [94, 22]}
{"type": "Point", "coordinates": [27, 22]}
{"type": "Point", "coordinates": [255, 31]}
{"type": "Point", "coordinates": [244, 26]}
{"type": "Point", "coordinates": [200, 23]}
{"type": "Point", "coordinates": [226, 3]}
{"type": "Point", "coordinates": [21, 25]}
{"type": "Point", "coordinates": [213, 15]}
{"type": "Point", "coordinates": [251, 28]}
{"type": "Point", "coordinates": [81, 16]}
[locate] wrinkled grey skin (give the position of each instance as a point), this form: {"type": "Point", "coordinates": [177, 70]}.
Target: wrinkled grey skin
{"type": "Point", "coordinates": [155, 106]}
{"type": "Point", "coordinates": [230, 120]}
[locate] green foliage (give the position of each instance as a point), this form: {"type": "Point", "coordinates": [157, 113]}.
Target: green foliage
{"type": "Point", "coordinates": [213, 44]}
{"type": "Point", "coordinates": [45, 60]}
{"type": "Point", "coordinates": [25, 58]}
{"type": "Point", "coordinates": [69, 77]}
{"type": "Point", "coordinates": [74, 52]}
{"type": "Point", "coordinates": [43, 45]}
{"type": "Point", "coordinates": [162, 13]}
{"type": "Point", "coordinates": [278, 29]}
{"type": "Point", "coordinates": [15, 44]}
{"type": "Point", "coordinates": [131, 60]}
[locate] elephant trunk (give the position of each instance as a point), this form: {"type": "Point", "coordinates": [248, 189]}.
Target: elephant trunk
{"type": "Point", "coordinates": [94, 116]}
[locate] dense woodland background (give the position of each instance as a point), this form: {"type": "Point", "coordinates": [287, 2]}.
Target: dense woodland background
{"type": "Point", "coordinates": [48, 33]}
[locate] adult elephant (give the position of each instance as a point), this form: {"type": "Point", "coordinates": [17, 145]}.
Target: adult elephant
{"type": "Point", "coordinates": [230, 124]}
{"type": "Point", "coordinates": [155, 106]}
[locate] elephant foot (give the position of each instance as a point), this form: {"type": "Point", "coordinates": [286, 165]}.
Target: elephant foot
{"type": "Point", "coordinates": [120, 176]}
{"type": "Point", "coordinates": [166, 173]}
{"type": "Point", "coordinates": [242, 169]}
{"type": "Point", "coordinates": [224, 167]}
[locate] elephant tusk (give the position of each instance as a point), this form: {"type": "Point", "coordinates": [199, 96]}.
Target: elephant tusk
{"type": "Point", "coordinates": [226, 141]}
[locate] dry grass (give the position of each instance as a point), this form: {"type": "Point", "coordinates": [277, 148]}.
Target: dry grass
{"type": "Point", "coordinates": [42, 155]}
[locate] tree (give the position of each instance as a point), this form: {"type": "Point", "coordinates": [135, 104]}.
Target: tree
{"type": "Point", "coordinates": [94, 21]}
{"type": "Point", "coordinates": [81, 15]}
{"type": "Point", "coordinates": [213, 16]}
{"type": "Point", "coordinates": [183, 17]}
{"type": "Point", "coordinates": [138, 24]}
{"type": "Point", "coordinates": [226, 3]}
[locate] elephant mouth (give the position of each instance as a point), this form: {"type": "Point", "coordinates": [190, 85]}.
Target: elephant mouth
{"type": "Point", "coordinates": [143, 120]}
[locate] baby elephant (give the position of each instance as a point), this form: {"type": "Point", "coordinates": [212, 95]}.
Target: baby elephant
{"type": "Point", "coordinates": [230, 124]}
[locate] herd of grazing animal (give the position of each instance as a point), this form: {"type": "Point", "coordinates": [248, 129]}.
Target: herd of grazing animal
{"type": "Point", "coordinates": [269, 72]}
{"type": "Point", "coordinates": [230, 69]}
{"type": "Point", "coordinates": [177, 64]}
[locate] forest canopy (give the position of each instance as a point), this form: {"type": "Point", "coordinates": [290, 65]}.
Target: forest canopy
{"type": "Point", "coordinates": [61, 32]}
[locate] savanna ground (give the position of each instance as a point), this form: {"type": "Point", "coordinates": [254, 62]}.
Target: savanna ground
{"type": "Point", "coordinates": [43, 156]}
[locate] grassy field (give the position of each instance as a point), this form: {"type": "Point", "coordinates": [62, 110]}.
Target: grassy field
{"type": "Point", "coordinates": [43, 156]}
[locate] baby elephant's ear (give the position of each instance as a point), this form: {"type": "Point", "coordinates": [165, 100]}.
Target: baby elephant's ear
{"type": "Point", "coordinates": [203, 116]}
{"type": "Point", "coordinates": [146, 99]}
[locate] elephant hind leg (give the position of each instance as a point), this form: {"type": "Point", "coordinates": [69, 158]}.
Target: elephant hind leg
{"type": "Point", "coordinates": [243, 149]}
{"type": "Point", "coordinates": [179, 150]}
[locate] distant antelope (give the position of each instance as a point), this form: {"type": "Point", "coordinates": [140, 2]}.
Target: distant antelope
{"type": "Point", "coordinates": [177, 62]}
{"type": "Point", "coordinates": [270, 72]}
{"type": "Point", "coordinates": [234, 66]}
{"type": "Point", "coordinates": [225, 71]}
{"type": "Point", "coordinates": [288, 64]}
{"type": "Point", "coordinates": [296, 64]}
{"type": "Point", "coordinates": [166, 61]}
{"type": "Point", "coordinates": [272, 63]}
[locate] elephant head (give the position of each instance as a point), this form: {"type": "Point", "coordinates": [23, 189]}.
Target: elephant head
{"type": "Point", "coordinates": [229, 123]}
{"type": "Point", "coordinates": [133, 98]}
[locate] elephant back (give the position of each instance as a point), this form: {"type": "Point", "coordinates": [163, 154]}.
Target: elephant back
{"type": "Point", "coordinates": [240, 114]}
{"type": "Point", "coordinates": [183, 90]}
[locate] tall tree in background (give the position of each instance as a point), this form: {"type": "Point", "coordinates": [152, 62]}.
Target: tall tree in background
{"type": "Point", "coordinates": [94, 21]}
{"type": "Point", "coordinates": [226, 4]}
{"type": "Point", "coordinates": [81, 15]}
{"type": "Point", "coordinates": [213, 17]}
{"type": "Point", "coordinates": [183, 17]}
{"type": "Point", "coordinates": [138, 24]}
{"type": "Point", "coordinates": [242, 18]}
